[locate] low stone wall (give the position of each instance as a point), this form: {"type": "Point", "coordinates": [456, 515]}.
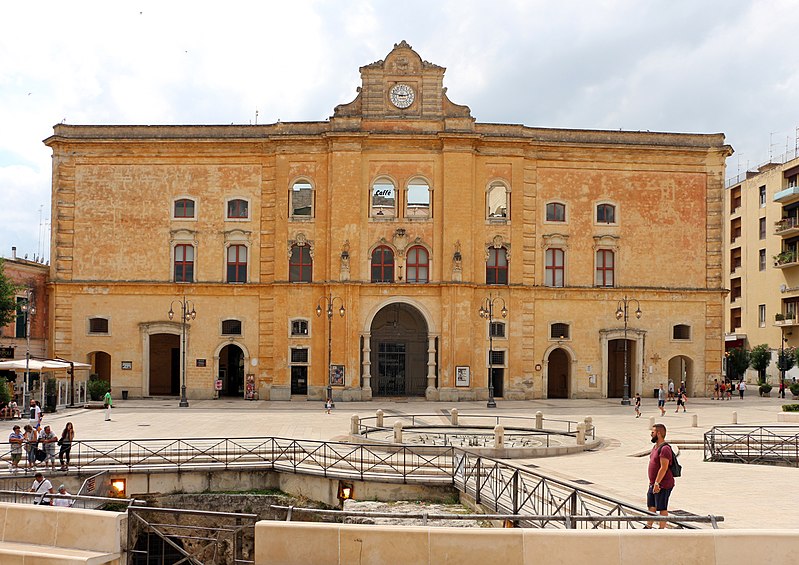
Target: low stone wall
{"type": "Point", "coordinates": [294, 543]}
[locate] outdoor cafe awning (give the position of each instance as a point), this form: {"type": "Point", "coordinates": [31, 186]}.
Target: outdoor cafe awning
{"type": "Point", "coordinates": [41, 365]}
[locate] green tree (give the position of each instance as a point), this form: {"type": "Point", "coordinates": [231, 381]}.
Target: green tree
{"type": "Point", "coordinates": [738, 360]}
{"type": "Point", "coordinates": [8, 298]}
{"type": "Point", "coordinates": [759, 360]}
{"type": "Point", "coordinates": [786, 359]}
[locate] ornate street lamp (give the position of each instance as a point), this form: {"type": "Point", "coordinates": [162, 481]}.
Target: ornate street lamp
{"type": "Point", "coordinates": [330, 301]}
{"type": "Point", "coordinates": [622, 312]}
{"type": "Point", "coordinates": [487, 311]}
{"type": "Point", "coordinates": [187, 314]}
{"type": "Point", "coordinates": [28, 308]}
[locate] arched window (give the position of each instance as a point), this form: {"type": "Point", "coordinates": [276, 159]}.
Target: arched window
{"type": "Point", "coordinates": [302, 200]}
{"type": "Point", "coordinates": [383, 199]}
{"type": "Point", "coordinates": [417, 265]}
{"type": "Point", "coordinates": [605, 268]}
{"type": "Point", "coordinates": [237, 264]}
{"type": "Point", "coordinates": [418, 199]}
{"type": "Point", "coordinates": [184, 263]}
{"type": "Point", "coordinates": [237, 209]}
{"type": "Point", "coordinates": [605, 214]}
{"type": "Point", "coordinates": [556, 212]}
{"type": "Point", "coordinates": [498, 200]}
{"type": "Point", "coordinates": [554, 270]}
{"type": "Point", "coordinates": [382, 264]}
{"type": "Point", "coordinates": [184, 208]}
{"type": "Point", "coordinates": [300, 264]}
{"type": "Point", "coordinates": [497, 266]}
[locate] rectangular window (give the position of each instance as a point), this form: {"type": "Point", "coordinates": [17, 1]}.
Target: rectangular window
{"type": "Point", "coordinates": [497, 357]}
{"type": "Point", "coordinates": [763, 196]}
{"type": "Point", "coordinates": [554, 267]}
{"type": "Point", "coordinates": [559, 331]}
{"type": "Point", "coordinates": [761, 315]}
{"type": "Point", "coordinates": [237, 209]}
{"type": "Point", "coordinates": [20, 325]}
{"type": "Point", "coordinates": [299, 354]}
{"type": "Point", "coordinates": [184, 208]}
{"type": "Point", "coordinates": [98, 325]}
{"type": "Point", "coordinates": [605, 268]}
{"type": "Point", "coordinates": [556, 212]}
{"type": "Point", "coordinates": [497, 329]}
{"type": "Point", "coordinates": [762, 228]}
{"type": "Point", "coordinates": [237, 264]}
{"type": "Point", "coordinates": [761, 260]}
{"type": "Point", "coordinates": [231, 327]}
{"type": "Point", "coordinates": [681, 331]}
{"type": "Point", "coordinates": [299, 327]}
{"type": "Point", "coordinates": [184, 263]}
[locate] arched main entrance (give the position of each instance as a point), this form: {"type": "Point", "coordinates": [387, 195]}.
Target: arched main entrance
{"type": "Point", "coordinates": [231, 371]}
{"type": "Point", "coordinates": [558, 374]}
{"type": "Point", "coordinates": [101, 365]}
{"type": "Point", "coordinates": [164, 364]}
{"type": "Point", "coordinates": [399, 351]}
{"type": "Point", "coordinates": [616, 367]}
{"type": "Point", "coordinates": [681, 370]}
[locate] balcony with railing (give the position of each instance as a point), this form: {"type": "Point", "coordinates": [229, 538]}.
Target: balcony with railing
{"type": "Point", "coordinates": [787, 196]}
{"type": "Point", "coordinates": [787, 227]}
{"type": "Point", "coordinates": [786, 259]}
{"type": "Point", "coordinates": [786, 320]}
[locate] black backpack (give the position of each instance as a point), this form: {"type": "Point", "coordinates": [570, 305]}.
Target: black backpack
{"type": "Point", "coordinates": [675, 467]}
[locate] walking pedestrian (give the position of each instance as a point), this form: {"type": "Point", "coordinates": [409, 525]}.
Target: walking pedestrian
{"type": "Point", "coordinates": [41, 486]}
{"type": "Point", "coordinates": [741, 388]}
{"type": "Point", "coordinates": [722, 390]}
{"type": "Point", "coordinates": [35, 415]}
{"type": "Point", "coordinates": [715, 389]}
{"type": "Point", "coordinates": [681, 398]}
{"type": "Point", "coordinates": [661, 481]}
{"type": "Point", "coordinates": [671, 390]}
{"type": "Point", "coordinates": [781, 393]}
{"type": "Point", "coordinates": [66, 445]}
{"type": "Point", "coordinates": [108, 403]}
{"type": "Point", "coordinates": [662, 400]}
{"type": "Point", "coordinates": [729, 390]}
{"type": "Point", "coordinates": [15, 440]}
{"type": "Point", "coordinates": [637, 405]}
{"type": "Point", "coordinates": [328, 405]}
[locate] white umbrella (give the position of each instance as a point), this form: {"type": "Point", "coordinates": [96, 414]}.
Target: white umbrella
{"type": "Point", "coordinates": [40, 364]}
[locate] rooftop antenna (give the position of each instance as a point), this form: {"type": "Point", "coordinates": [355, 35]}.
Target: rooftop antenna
{"type": "Point", "coordinates": [256, 116]}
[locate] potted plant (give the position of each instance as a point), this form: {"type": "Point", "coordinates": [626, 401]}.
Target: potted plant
{"type": "Point", "coordinates": [765, 389]}
{"type": "Point", "coordinates": [779, 317]}
{"type": "Point", "coordinates": [794, 389]}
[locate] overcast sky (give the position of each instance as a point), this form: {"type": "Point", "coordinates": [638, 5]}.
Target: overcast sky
{"type": "Point", "coordinates": [672, 65]}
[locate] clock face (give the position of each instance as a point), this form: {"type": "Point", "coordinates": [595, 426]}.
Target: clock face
{"type": "Point", "coordinates": [401, 95]}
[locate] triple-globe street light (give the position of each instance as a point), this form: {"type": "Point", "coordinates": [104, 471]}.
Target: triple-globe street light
{"type": "Point", "coordinates": [487, 311]}
{"type": "Point", "coordinates": [330, 301]}
{"type": "Point", "coordinates": [187, 314]}
{"type": "Point", "coordinates": [622, 312]}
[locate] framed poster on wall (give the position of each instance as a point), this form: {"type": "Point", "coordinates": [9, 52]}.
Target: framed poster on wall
{"type": "Point", "coordinates": [462, 376]}
{"type": "Point", "coordinates": [336, 375]}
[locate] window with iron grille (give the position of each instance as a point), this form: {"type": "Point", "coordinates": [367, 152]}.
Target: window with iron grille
{"type": "Point", "coordinates": [497, 357]}
{"type": "Point", "coordinates": [231, 327]}
{"type": "Point", "coordinates": [98, 325]}
{"type": "Point", "coordinates": [559, 331]}
{"type": "Point", "coordinates": [497, 329]}
{"type": "Point", "coordinates": [299, 327]}
{"type": "Point", "coordinates": [299, 354]}
{"type": "Point", "coordinates": [682, 331]}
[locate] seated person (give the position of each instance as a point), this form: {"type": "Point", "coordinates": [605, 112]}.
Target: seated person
{"type": "Point", "coordinates": [14, 410]}
{"type": "Point", "coordinates": [4, 412]}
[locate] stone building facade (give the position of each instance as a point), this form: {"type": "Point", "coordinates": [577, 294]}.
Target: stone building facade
{"type": "Point", "coordinates": [400, 217]}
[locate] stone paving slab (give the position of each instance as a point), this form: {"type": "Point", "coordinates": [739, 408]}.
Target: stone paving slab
{"type": "Point", "coordinates": [748, 496]}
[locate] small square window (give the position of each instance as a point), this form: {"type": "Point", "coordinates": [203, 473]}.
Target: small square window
{"type": "Point", "coordinates": [231, 327]}
{"type": "Point", "coordinates": [497, 329]}
{"type": "Point", "coordinates": [299, 354]}
{"type": "Point", "coordinates": [681, 331]}
{"type": "Point", "coordinates": [299, 327]}
{"type": "Point", "coordinates": [559, 331]}
{"type": "Point", "coordinates": [98, 325]}
{"type": "Point", "coordinates": [237, 209]}
{"type": "Point", "coordinates": [497, 357]}
{"type": "Point", "coordinates": [184, 208]}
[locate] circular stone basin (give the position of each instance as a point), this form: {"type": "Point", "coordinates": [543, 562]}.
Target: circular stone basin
{"type": "Point", "coordinates": [472, 437]}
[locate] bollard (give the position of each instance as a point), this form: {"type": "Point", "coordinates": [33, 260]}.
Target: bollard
{"type": "Point", "coordinates": [379, 418]}
{"type": "Point", "coordinates": [499, 437]}
{"type": "Point", "coordinates": [539, 420]}
{"type": "Point", "coordinates": [355, 425]}
{"type": "Point", "coordinates": [581, 434]}
{"type": "Point", "coordinates": [453, 417]}
{"type": "Point", "coordinates": [589, 424]}
{"type": "Point", "coordinates": [694, 421]}
{"type": "Point", "coordinates": [651, 422]}
{"type": "Point", "coordinates": [397, 432]}
{"type": "Point", "coordinates": [735, 417]}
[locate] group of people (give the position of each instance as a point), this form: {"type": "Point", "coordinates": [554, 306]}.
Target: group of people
{"type": "Point", "coordinates": [29, 441]}
{"type": "Point", "coordinates": [9, 410]}
{"type": "Point", "coordinates": [42, 487]}
{"type": "Point", "coordinates": [723, 390]}
{"type": "Point", "coordinates": [679, 395]}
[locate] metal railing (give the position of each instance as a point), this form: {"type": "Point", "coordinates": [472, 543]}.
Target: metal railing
{"type": "Point", "coordinates": [168, 535]}
{"type": "Point", "coordinates": [765, 445]}
{"type": "Point", "coordinates": [72, 500]}
{"type": "Point", "coordinates": [551, 425]}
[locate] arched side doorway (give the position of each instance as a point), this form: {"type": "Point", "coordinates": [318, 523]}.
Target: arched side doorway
{"type": "Point", "coordinates": [231, 371]}
{"type": "Point", "coordinates": [681, 370]}
{"type": "Point", "coordinates": [164, 364]}
{"type": "Point", "coordinates": [101, 365]}
{"type": "Point", "coordinates": [399, 351]}
{"type": "Point", "coordinates": [558, 376]}
{"type": "Point", "coordinates": [616, 367]}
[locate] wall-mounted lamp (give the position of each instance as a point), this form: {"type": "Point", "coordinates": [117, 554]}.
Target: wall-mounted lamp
{"type": "Point", "coordinates": [118, 487]}
{"type": "Point", "coordinates": [345, 491]}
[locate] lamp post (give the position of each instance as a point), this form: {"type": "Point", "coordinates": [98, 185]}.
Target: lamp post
{"type": "Point", "coordinates": [187, 314]}
{"type": "Point", "coordinates": [330, 302]}
{"type": "Point", "coordinates": [622, 311]}
{"type": "Point", "coordinates": [783, 340]}
{"type": "Point", "coordinates": [487, 311]}
{"type": "Point", "coordinates": [28, 309]}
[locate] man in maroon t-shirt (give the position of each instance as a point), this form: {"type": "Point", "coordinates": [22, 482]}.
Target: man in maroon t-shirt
{"type": "Point", "coordinates": [661, 481]}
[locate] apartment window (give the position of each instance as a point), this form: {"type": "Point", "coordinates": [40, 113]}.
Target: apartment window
{"type": "Point", "coordinates": [497, 329]}
{"type": "Point", "coordinates": [497, 266]}
{"type": "Point", "coordinates": [762, 190]}
{"type": "Point", "coordinates": [556, 212]}
{"type": "Point", "coordinates": [98, 325]}
{"type": "Point", "coordinates": [299, 354]}
{"type": "Point", "coordinates": [231, 327]}
{"type": "Point", "coordinates": [184, 263]}
{"type": "Point", "coordinates": [302, 200]}
{"type": "Point", "coordinates": [237, 264]}
{"type": "Point", "coordinates": [418, 199]}
{"type": "Point", "coordinates": [497, 198]}
{"type": "Point", "coordinates": [681, 332]}
{"type": "Point", "coordinates": [299, 328]}
{"type": "Point", "coordinates": [19, 329]}
{"type": "Point", "coordinates": [417, 265]}
{"type": "Point", "coordinates": [735, 289]}
{"type": "Point", "coordinates": [761, 315]}
{"type": "Point", "coordinates": [735, 319]}
{"type": "Point", "coordinates": [761, 260]}
{"type": "Point", "coordinates": [237, 209]}
{"type": "Point", "coordinates": [792, 180]}
{"type": "Point", "coordinates": [606, 214]}
{"type": "Point", "coordinates": [382, 264]}
{"type": "Point", "coordinates": [559, 331]}
{"type": "Point", "coordinates": [762, 228]}
{"type": "Point", "coordinates": [300, 264]}
{"type": "Point", "coordinates": [554, 258]}
{"type": "Point", "coordinates": [184, 208]}
{"type": "Point", "coordinates": [384, 199]}
{"type": "Point", "coordinates": [605, 268]}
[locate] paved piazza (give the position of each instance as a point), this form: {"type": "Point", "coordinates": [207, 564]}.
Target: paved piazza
{"type": "Point", "coordinates": [748, 496]}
